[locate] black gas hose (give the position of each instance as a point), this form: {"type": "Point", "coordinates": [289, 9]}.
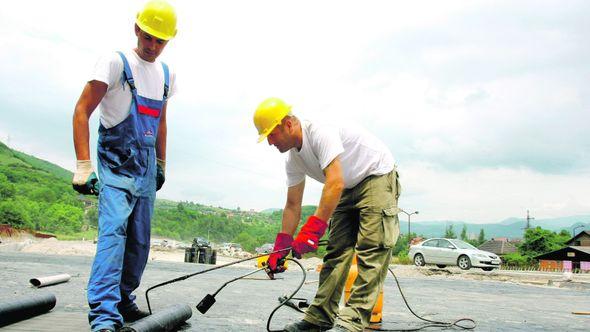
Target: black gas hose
{"type": "Point", "coordinates": [201, 272]}
{"type": "Point", "coordinates": [434, 322]}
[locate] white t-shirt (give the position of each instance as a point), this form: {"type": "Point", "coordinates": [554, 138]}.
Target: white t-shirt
{"type": "Point", "coordinates": [361, 154]}
{"type": "Point", "coordinates": [149, 82]}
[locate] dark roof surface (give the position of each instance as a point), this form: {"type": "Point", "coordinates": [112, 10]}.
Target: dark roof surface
{"type": "Point", "coordinates": [583, 254]}
{"type": "Point", "coordinates": [498, 247]}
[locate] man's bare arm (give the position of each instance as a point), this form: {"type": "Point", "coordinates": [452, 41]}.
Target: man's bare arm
{"type": "Point", "coordinates": [292, 211]}
{"type": "Point", "coordinates": [91, 96]}
{"type": "Point", "coordinates": [332, 190]}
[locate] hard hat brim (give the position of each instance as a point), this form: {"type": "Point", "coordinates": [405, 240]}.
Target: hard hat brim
{"type": "Point", "coordinates": [267, 132]}
{"type": "Point", "coordinates": [155, 33]}
{"type": "Point", "coordinates": [261, 138]}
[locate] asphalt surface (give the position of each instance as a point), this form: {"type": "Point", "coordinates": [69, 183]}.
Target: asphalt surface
{"type": "Point", "coordinates": [245, 305]}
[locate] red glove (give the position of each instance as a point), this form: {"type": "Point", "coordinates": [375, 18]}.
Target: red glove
{"type": "Point", "coordinates": [309, 236]}
{"type": "Point", "coordinates": [283, 241]}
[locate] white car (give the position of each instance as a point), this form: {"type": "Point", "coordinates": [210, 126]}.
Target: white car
{"type": "Point", "coordinates": [443, 252]}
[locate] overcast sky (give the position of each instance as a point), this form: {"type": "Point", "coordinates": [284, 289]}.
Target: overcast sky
{"type": "Point", "coordinates": [484, 104]}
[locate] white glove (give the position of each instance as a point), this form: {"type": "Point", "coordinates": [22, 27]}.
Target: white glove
{"type": "Point", "coordinates": [85, 181]}
{"type": "Point", "coordinates": [162, 164]}
{"type": "Point", "coordinates": [83, 170]}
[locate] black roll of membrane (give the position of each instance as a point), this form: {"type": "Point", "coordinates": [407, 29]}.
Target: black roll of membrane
{"type": "Point", "coordinates": [164, 320]}
{"type": "Point", "coordinates": [24, 307]}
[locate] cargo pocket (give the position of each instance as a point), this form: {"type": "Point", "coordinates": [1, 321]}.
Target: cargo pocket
{"type": "Point", "coordinates": [120, 160]}
{"type": "Point", "coordinates": [390, 227]}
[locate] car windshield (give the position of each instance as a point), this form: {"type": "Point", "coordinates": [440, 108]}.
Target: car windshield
{"type": "Point", "coordinates": [463, 245]}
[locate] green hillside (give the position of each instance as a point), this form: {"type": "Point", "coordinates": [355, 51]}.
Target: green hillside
{"type": "Point", "coordinates": [10, 156]}
{"type": "Point", "coordinates": [38, 195]}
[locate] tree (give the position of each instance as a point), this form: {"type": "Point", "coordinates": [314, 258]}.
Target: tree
{"type": "Point", "coordinates": [42, 194]}
{"type": "Point", "coordinates": [180, 207]}
{"type": "Point", "coordinates": [402, 243]}
{"type": "Point", "coordinates": [515, 259]}
{"type": "Point", "coordinates": [64, 218]}
{"type": "Point", "coordinates": [92, 216]}
{"type": "Point", "coordinates": [7, 189]}
{"type": "Point", "coordinates": [482, 237]}
{"type": "Point", "coordinates": [14, 214]}
{"type": "Point", "coordinates": [464, 233]}
{"type": "Point", "coordinates": [539, 241]}
{"type": "Point", "coordinates": [450, 233]}
{"type": "Point", "coordinates": [246, 240]}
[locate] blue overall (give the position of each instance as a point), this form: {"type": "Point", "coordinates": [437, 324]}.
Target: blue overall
{"type": "Point", "coordinates": [127, 172]}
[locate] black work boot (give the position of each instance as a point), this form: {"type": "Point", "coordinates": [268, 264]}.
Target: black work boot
{"type": "Point", "coordinates": [305, 326]}
{"type": "Point", "coordinates": [133, 315]}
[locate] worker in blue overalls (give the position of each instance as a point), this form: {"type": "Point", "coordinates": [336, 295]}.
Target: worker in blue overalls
{"type": "Point", "coordinates": [131, 89]}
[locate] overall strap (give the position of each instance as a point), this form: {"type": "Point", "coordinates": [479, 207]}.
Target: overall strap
{"type": "Point", "coordinates": [127, 72]}
{"type": "Point", "coordinates": [166, 81]}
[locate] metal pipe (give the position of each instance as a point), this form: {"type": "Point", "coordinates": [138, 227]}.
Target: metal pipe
{"type": "Point", "coordinates": [24, 307]}
{"type": "Point", "coordinates": [49, 280]}
{"type": "Point", "coordinates": [163, 320]}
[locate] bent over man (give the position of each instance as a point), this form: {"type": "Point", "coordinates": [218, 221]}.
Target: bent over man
{"type": "Point", "coordinates": [131, 89]}
{"type": "Point", "coordinates": [359, 199]}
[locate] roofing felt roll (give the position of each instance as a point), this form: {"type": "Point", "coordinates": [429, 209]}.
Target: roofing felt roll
{"type": "Point", "coordinates": [24, 307]}
{"type": "Point", "coordinates": [164, 320]}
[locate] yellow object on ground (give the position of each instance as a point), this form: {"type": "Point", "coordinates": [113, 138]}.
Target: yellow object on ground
{"type": "Point", "coordinates": [263, 259]}
{"type": "Point", "coordinates": [158, 18]}
{"type": "Point", "coordinates": [377, 314]}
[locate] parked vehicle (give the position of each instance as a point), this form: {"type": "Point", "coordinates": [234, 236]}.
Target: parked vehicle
{"type": "Point", "coordinates": [200, 252]}
{"type": "Point", "coordinates": [443, 252]}
{"type": "Point", "coordinates": [201, 242]}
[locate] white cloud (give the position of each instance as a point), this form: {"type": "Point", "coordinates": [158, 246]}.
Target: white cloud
{"type": "Point", "coordinates": [491, 194]}
{"type": "Point", "coordinates": [484, 104]}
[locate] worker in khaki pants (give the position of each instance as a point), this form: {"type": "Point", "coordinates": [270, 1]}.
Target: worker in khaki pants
{"type": "Point", "coordinates": [360, 195]}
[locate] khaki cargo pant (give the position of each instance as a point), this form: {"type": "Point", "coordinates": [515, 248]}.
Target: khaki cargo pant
{"type": "Point", "coordinates": [365, 222]}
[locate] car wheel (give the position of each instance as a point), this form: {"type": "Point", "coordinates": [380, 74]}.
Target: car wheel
{"type": "Point", "coordinates": [487, 268]}
{"type": "Point", "coordinates": [419, 260]}
{"type": "Point", "coordinates": [464, 262]}
{"type": "Point", "coordinates": [441, 266]}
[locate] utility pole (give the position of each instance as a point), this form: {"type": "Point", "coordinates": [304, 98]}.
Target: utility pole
{"type": "Point", "coordinates": [528, 220]}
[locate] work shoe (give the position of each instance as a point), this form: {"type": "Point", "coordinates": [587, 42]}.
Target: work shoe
{"type": "Point", "coordinates": [305, 326]}
{"type": "Point", "coordinates": [133, 315]}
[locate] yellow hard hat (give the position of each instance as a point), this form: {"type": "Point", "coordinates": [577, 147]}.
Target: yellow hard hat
{"type": "Point", "coordinates": [158, 18]}
{"type": "Point", "coordinates": [268, 115]}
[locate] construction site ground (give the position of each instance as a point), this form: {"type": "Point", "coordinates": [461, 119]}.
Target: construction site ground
{"type": "Point", "coordinates": [496, 301]}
